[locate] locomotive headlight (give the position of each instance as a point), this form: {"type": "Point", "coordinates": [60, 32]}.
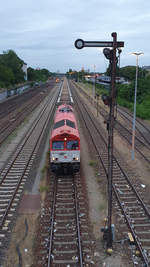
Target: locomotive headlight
{"type": "Point", "coordinates": [65, 139]}
{"type": "Point", "coordinates": [53, 158]}
{"type": "Point", "coordinates": [76, 158]}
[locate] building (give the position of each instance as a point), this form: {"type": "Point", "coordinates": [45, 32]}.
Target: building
{"type": "Point", "coordinates": [24, 68]}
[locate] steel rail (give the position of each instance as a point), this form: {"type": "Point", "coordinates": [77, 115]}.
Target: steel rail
{"type": "Point", "coordinates": [52, 220]}
{"type": "Point", "coordinates": [138, 243]}
{"type": "Point", "coordinates": [53, 216]}
{"type": "Point", "coordinates": [52, 224]}
{"type": "Point", "coordinates": [25, 140]}
{"type": "Point", "coordinates": [14, 102]}
{"type": "Point", "coordinates": [125, 176]}
{"type": "Point", "coordinates": [116, 161]}
{"type": "Point", "coordinates": [105, 115]}
{"type": "Point", "coordinates": [78, 225]}
{"type": "Point", "coordinates": [123, 114]}
{"type": "Point", "coordinates": [29, 159]}
{"type": "Point", "coordinates": [128, 131]}
{"type": "Point", "coordinates": [136, 139]}
{"type": "Point", "coordinates": [9, 126]}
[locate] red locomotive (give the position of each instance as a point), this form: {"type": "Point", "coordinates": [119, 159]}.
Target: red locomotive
{"type": "Point", "coordinates": [65, 141]}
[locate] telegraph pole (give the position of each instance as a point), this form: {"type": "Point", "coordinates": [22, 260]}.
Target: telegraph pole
{"type": "Point", "coordinates": [110, 54]}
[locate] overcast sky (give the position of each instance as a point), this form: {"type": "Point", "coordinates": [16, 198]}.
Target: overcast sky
{"type": "Point", "coordinates": [43, 32]}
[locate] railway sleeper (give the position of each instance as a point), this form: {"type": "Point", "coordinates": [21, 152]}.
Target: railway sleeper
{"type": "Point", "coordinates": [64, 215]}
{"type": "Point", "coordinates": [65, 261]}
{"type": "Point", "coordinates": [144, 219]}
{"type": "Point", "coordinates": [64, 235]}
{"type": "Point", "coordinates": [65, 242]}
{"type": "Point", "coordinates": [65, 251]}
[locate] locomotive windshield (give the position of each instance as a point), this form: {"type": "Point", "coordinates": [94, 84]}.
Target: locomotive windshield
{"type": "Point", "coordinates": [58, 145]}
{"type": "Point", "coordinates": [66, 109]}
{"type": "Point", "coordinates": [73, 145]}
{"type": "Point", "coordinates": [59, 124]}
{"type": "Point", "coordinates": [70, 123]}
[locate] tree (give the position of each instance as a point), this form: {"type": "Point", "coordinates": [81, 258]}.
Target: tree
{"type": "Point", "coordinates": [31, 74]}
{"type": "Point", "coordinates": [11, 61]}
{"type": "Point", "coordinates": [38, 74]}
{"type": "Point", "coordinates": [6, 76]}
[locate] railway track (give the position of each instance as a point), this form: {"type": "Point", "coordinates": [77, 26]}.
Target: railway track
{"type": "Point", "coordinates": [124, 128]}
{"type": "Point", "coordinates": [64, 231]}
{"type": "Point", "coordinates": [141, 146]}
{"type": "Point", "coordinates": [15, 174]}
{"type": "Point", "coordinates": [64, 239]}
{"type": "Point", "coordinates": [141, 128]}
{"type": "Point", "coordinates": [131, 200]}
{"type": "Point", "coordinates": [16, 110]}
{"type": "Point", "coordinates": [65, 96]}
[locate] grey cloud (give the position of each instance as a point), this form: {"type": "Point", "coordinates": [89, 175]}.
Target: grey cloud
{"type": "Point", "coordinates": [43, 32]}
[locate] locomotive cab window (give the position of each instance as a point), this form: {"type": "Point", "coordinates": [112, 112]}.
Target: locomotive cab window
{"type": "Point", "coordinates": [59, 124]}
{"type": "Point", "coordinates": [65, 109]}
{"type": "Point", "coordinates": [72, 145]}
{"type": "Point", "coordinates": [57, 145]}
{"type": "Point", "coordinates": [70, 124]}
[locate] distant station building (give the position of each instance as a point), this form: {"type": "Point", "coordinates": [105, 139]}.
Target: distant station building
{"type": "Point", "coordinates": [24, 68]}
{"type": "Point", "coordinates": [104, 79]}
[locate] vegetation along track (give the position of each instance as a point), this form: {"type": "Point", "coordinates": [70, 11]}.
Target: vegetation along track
{"type": "Point", "coordinates": [124, 128]}
{"type": "Point", "coordinates": [64, 232]}
{"type": "Point", "coordinates": [131, 202]}
{"type": "Point", "coordinates": [14, 111]}
{"type": "Point", "coordinates": [15, 174]}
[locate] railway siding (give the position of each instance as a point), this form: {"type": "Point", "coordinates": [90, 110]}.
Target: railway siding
{"type": "Point", "coordinates": [121, 181]}
{"type": "Point", "coordinates": [123, 125]}
{"type": "Point", "coordinates": [16, 172]}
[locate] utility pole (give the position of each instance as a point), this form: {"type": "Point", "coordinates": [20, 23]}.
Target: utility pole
{"type": "Point", "coordinates": [137, 54]}
{"type": "Point", "coordinates": [94, 84]}
{"type": "Point", "coordinates": [97, 98]}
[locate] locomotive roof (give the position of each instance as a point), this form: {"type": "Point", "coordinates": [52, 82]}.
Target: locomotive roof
{"type": "Point", "coordinates": [65, 112]}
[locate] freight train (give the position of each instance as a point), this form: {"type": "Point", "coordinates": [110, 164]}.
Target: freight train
{"type": "Point", "coordinates": [65, 141]}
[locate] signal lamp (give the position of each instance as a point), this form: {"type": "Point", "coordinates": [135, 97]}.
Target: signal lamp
{"type": "Point", "coordinates": [106, 99]}
{"type": "Point", "coordinates": [108, 53]}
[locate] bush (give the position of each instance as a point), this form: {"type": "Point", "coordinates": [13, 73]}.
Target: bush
{"type": "Point", "coordinates": [143, 109]}
{"type": "Point", "coordinates": [124, 103]}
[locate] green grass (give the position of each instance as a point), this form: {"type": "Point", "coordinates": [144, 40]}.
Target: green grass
{"type": "Point", "coordinates": [102, 206]}
{"type": "Point", "coordinates": [43, 188]}
{"type": "Point", "coordinates": [43, 170]}
{"type": "Point", "coordinates": [93, 163]}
